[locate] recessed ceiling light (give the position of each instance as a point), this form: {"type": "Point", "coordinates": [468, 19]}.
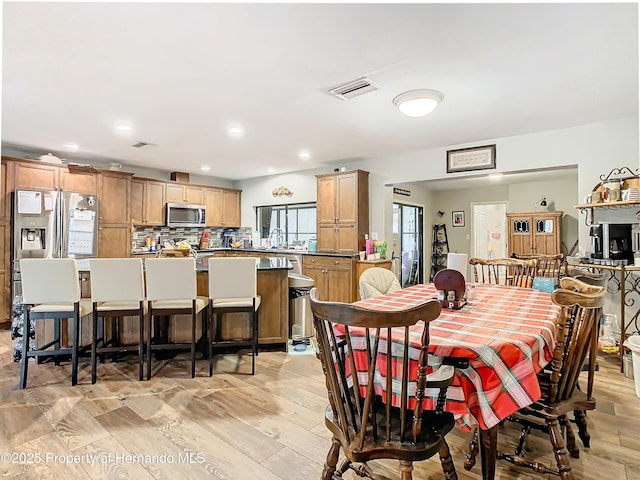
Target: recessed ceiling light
{"type": "Point", "coordinates": [495, 176]}
{"type": "Point", "coordinates": [235, 131]}
{"type": "Point", "coordinates": [304, 155]}
{"type": "Point", "coordinates": [418, 103]}
{"type": "Point", "coordinates": [123, 128]}
{"type": "Point", "coordinates": [271, 170]}
{"type": "Point", "coordinates": [205, 168]}
{"type": "Point", "coordinates": [71, 146]}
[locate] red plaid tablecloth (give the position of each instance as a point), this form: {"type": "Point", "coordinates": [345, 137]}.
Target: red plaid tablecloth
{"type": "Point", "coordinates": [508, 335]}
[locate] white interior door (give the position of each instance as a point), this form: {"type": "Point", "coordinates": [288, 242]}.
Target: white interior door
{"type": "Point", "coordinates": [489, 230]}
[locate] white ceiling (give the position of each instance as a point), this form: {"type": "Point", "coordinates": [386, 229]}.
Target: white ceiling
{"type": "Point", "coordinates": [180, 74]}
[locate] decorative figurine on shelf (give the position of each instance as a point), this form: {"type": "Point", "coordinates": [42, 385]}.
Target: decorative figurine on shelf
{"type": "Point", "coordinates": [452, 282]}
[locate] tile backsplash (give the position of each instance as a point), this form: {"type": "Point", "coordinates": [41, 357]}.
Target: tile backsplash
{"type": "Point", "coordinates": [190, 235]}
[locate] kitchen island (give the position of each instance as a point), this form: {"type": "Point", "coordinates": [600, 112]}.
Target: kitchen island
{"type": "Point", "coordinates": [273, 328]}
{"type": "Point", "coordinates": [273, 315]}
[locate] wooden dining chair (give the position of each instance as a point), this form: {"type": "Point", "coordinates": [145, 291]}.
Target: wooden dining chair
{"type": "Point", "coordinates": [575, 338]}
{"type": "Point", "coordinates": [362, 425]}
{"type": "Point", "coordinates": [504, 271]}
{"type": "Point", "coordinates": [549, 266]}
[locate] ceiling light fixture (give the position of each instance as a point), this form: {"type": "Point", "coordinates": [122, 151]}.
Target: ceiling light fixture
{"type": "Point", "coordinates": [71, 146]}
{"type": "Point", "coordinates": [418, 103]}
{"type": "Point", "coordinates": [235, 131]}
{"type": "Point", "coordinates": [123, 128]}
{"type": "Point", "coordinates": [205, 168]}
{"type": "Point", "coordinates": [495, 176]}
{"type": "Point", "coordinates": [304, 155]}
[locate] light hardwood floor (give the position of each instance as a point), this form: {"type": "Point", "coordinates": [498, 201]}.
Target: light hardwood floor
{"type": "Point", "coordinates": [237, 426]}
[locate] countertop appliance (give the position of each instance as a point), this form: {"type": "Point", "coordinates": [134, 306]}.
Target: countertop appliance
{"type": "Point", "coordinates": [185, 215]}
{"type": "Point", "coordinates": [611, 241]}
{"type": "Point", "coordinates": [52, 224]}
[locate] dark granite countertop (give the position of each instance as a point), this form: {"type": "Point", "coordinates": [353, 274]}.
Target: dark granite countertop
{"type": "Point", "coordinates": [279, 251]}
{"type": "Point", "coordinates": [264, 263]}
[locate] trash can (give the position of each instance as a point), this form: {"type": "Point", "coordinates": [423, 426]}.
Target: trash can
{"type": "Point", "coordinates": [633, 344]}
{"type": "Point", "coordinates": [300, 316]}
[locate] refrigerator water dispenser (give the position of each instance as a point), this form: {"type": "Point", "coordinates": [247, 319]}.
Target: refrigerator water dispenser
{"type": "Point", "coordinates": [32, 238]}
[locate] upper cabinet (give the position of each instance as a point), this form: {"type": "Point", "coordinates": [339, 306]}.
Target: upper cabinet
{"type": "Point", "coordinates": [222, 207]}
{"type": "Point", "coordinates": [147, 202]}
{"type": "Point", "coordinates": [342, 211]}
{"type": "Point", "coordinates": [179, 193]}
{"type": "Point", "coordinates": [46, 176]}
{"type": "Point", "coordinates": [537, 233]}
{"type": "Point", "coordinates": [114, 191]}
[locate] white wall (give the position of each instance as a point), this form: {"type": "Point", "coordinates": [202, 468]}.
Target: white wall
{"type": "Point", "coordinates": [594, 148]}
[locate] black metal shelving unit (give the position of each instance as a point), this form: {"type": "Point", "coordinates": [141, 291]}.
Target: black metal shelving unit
{"type": "Point", "coordinates": [439, 249]}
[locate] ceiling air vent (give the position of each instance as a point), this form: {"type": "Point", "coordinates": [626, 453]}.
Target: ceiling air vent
{"type": "Point", "coordinates": [354, 89]}
{"type": "Point", "coordinates": [143, 145]}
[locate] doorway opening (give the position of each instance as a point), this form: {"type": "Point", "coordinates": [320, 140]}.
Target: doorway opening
{"type": "Point", "coordinates": [408, 226]}
{"type": "Point", "coordinates": [489, 239]}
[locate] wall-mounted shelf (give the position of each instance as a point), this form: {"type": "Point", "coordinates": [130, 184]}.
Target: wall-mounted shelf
{"type": "Point", "coordinates": [608, 205]}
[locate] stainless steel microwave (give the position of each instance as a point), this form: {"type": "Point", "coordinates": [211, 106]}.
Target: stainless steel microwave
{"type": "Point", "coordinates": [185, 215]}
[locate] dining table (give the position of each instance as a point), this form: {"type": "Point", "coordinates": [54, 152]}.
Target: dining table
{"type": "Point", "coordinates": [506, 333]}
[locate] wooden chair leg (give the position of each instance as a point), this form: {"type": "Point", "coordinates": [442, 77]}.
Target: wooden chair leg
{"type": "Point", "coordinates": [472, 453]}
{"type": "Point", "coordinates": [570, 438]}
{"type": "Point", "coordinates": [332, 460]}
{"type": "Point", "coordinates": [559, 450]}
{"type": "Point", "coordinates": [406, 469]}
{"type": "Point", "coordinates": [581, 422]}
{"type": "Point", "coordinates": [448, 467]}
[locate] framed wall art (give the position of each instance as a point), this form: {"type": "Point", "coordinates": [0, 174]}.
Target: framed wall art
{"type": "Point", "coordinates": [473, 158]}
{"type": "Point", "coordinates": [457, 219]}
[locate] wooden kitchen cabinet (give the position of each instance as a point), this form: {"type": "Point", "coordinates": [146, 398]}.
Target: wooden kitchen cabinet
{"type": "Point", "coordinates": [180, 193]}
{"type": "Point", "coordinates": [6, 187]}
{"type": "Point", "coordinates": [114, 192]}
{"type": "Point", "coordinates": [114, 241]}
{"type": "Point", "coordinates": [222, 207]}
{"type": "Point", "coordinates": [114, 214]}
{"type": "Point", "coordinates": [333, 277]}
{"type": "Point", "coordinates": [342, 213]}
{"type": "Point", "coordinates": [46, 176]}
{"type": "Point", "coordinates": [147, 202]}
{"type": "Point", "coordinates": [5, 275]}
{"type": "Point", "coordinates": [538, 232]}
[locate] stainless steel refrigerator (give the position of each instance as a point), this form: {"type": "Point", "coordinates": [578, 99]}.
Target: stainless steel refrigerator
{"type": "Point", "coordinates": [52, 224]}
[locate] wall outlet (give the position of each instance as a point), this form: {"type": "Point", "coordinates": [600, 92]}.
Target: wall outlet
{"type": "Point", "coordinates": [468, 237]}
{"type": "Point", "coordinates": [374, 235]}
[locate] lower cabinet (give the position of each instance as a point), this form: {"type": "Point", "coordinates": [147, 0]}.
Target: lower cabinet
{"type": "Point", "coordinates": [114, 241]}
{"type": "Point", "coordinates": [5, 275]}
{"type": "Point", "coordinates": [333, 276]}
